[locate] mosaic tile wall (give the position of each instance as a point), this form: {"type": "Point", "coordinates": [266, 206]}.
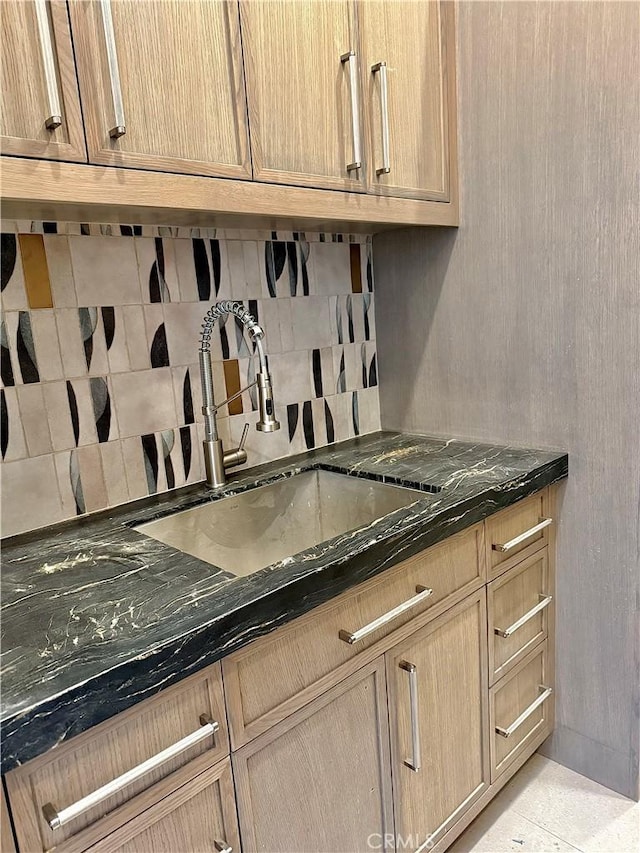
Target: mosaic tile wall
{"type": "Point", "coordinates": [100, 399]}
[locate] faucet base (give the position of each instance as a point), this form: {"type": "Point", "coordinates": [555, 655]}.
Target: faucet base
{"type": "Point", "coordinates": [214, 463]}
{"type": "Point", "coordinates": [217, 460]}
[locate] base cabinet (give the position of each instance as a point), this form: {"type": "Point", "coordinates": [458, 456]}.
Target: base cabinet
{"type": "Point", "coordinates": [320, 780]}
{"type": "Point", "coordinates": [439, 712]}
{"type": "Point", "coordinates": [391, 737]}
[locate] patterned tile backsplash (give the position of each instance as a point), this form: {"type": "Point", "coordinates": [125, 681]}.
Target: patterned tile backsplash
{"type": "Point", "coordinates": [100, 399]}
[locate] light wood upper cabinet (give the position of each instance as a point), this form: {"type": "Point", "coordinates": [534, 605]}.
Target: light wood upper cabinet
{"type": "Point", "coordinates": [410, 116]}
{"type": "Point", "coordinates": [177, 67]}
{"type": "Point", "coordinates": [299, 91]}
{"type": "Point", "coordinates": [312, 122]}
{"type": "Point", "coordinates": [438, 707]}
{"type": "Point", "coordinates": [284, 95]}
{"type": "Point", "coordinates": [39, 83]}
{"type": "Point", "coordinates": [320, 780]}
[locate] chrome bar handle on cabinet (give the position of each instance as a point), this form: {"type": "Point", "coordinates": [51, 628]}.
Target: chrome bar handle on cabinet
{"type": "Point", "coordinates": [381, 67]}
{"type": "Point", "coordinates": [54, 119]}
{"type": "Point", "coordinates": [55, 819]}
{"type": "Point", "coordinates": [518, 540]}
{"type": "Point", "coordinates": [350, 57]}
{"type": "Point", "coordinates": [547, 691]}
{"type": "Point", "coordinates": [414, 764]}
{"type": "Point", "coordinates": [545, 601]}
{"type": "Point", "coordinates": [222, 846]}
{"type": "Point", "coordinates": [119, 128]}
{"type": "Point", "coordinates": [352, 637]}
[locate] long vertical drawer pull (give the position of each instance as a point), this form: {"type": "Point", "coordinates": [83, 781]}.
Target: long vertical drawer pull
{"type": "Point", "coordinates": [547, 691]}
{"type": "Point", "coordinates": [545, 601]}
{"type": "Point", "coordinates": [414, 763]}
{"type": "Point", "coordinates": [119, 128]}
{"type": "Point", "coordinates": [54, 118]}
{"type": "Point", "coordinates": [350, 57]}
{"type": "Point", "coordinates": [56, 818]}
{"type": "Point", "coordinates": [352, 637]}
{"type": "Point", "coordinates": [512, 543]}
{"type": "Point", "coordinates": [381, 68]}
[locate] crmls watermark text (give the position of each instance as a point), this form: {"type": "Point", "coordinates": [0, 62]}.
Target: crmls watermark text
{"type": "Point", "coordinates": [390, 841]}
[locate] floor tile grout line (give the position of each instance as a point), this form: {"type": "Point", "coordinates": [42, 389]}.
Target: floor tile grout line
{"type": "Point", "coordinates": [545, 828]}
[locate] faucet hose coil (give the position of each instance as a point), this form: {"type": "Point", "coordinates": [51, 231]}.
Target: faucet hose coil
{"type": "Point", "coordinates": [220, 309]}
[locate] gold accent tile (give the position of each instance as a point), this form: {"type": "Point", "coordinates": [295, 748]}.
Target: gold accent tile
{"type": "Point", "coordinates": [35, 270]}
{"type": "Point", "coordinates": [232, 384]}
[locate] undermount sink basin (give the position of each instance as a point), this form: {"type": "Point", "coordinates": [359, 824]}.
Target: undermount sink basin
{"type": "Point", "coordinates": [244, 533]}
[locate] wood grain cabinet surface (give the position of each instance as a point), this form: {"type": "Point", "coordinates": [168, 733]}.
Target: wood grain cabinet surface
{"type": "Point", "coordinates": [39, 82]}
{"type": "Point", "coordinates": [299, 91]}
{"type": "Point", "coordinates": [412, 44]}
{"type": "Point", "coordinates": [439, 716]}
{"type": "Point", "coordinates": [276, 674]}
{"type": "Point", "coordinates": [313, 124]}
{"type": "Point", "coordinates": [65, 775]}
{"type": "Point", "coordinates": [198, 815]}
{"type": "Point", "coordinates": [517, 532]}
{"type": "Point", "coordinates": [522, 709]}
{"type": "Point", "coordinates": [179, 75]}
{"type": "Point", "coordinates": [284, 96]}
{"type": "Point", "coordinates": [320, 780]}
{"type": "Point", "coordinates": [519, 605]}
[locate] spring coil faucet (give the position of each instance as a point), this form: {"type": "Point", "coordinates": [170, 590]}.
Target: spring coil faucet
{"type": "Point", "coordinates": [216, 459]}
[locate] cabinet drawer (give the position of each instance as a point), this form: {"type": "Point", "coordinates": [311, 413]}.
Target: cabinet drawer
{"type": "Point", "coordinates": [277, 674]}
{"type": "Point", "coordinates": [518, 609]}
{"type": "Point", "coordinates": [197, 813]}
{"type": "Point", "coordinates": [62, 777]}
{"type": "Point", "coordinates": [517, 532]}
{"type": "Point", "coordinates": [522, 707]}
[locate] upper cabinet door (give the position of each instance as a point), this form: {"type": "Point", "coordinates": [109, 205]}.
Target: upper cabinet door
{"type": "Point", "coordinates": [162, 85]}
{"type": "Point", "coordinates": [408, 55]}
{"type": "Point", "coordinates": [302, 66]}
{"type": "Point", "coordinates": [40, 115]}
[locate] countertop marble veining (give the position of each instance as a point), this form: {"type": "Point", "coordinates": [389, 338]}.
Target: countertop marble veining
{"type": "Point", "coordinates": [97, 617]}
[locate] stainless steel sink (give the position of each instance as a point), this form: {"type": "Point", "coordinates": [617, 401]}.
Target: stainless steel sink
{"type": "Point", "coordinates": [249, 531]}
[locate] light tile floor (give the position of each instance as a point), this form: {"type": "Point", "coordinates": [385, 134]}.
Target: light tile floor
{"type": "Point", "coordinates": [547, 808]}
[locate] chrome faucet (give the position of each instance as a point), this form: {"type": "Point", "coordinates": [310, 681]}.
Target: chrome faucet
{"type": "Point", "coordinates": [216, 459]}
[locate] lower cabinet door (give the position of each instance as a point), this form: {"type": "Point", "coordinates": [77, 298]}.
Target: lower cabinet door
{"type": "Point", "coordinates": [321, 779]}
{"type": "Point", "coordinates": [438, 707]}
{"type": "Point", "coordinates": [197, 817]}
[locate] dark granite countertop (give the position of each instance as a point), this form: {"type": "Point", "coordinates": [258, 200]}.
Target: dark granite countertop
{"type": "Point", "coordinates": [97, 617]}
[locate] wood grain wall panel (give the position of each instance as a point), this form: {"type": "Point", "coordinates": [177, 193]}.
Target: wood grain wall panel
{"type": "Point", "coordinates": [523, 326]}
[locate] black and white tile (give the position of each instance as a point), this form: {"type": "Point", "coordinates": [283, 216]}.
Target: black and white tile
{"type": "Point", "coordinates": [110, 371]}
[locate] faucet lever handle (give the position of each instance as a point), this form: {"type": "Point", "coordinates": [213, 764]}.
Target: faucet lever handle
{"type": "Point", "coordinates": [245, 432]}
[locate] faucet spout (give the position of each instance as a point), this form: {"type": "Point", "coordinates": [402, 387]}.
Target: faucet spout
{"type": "Point", "coordinates": [216, 459]}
